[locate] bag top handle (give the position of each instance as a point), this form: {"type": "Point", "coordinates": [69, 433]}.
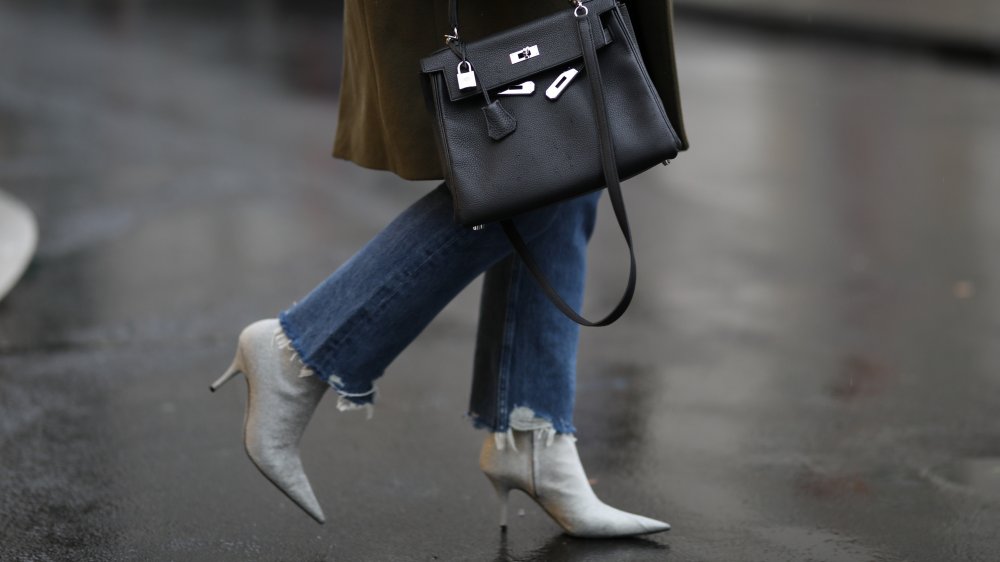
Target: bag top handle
{"type": "Point", "coordinates": [453, 37]}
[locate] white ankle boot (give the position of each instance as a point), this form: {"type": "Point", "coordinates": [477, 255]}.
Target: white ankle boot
{"type": "Point", "coordinates": [547, 468]}
{"type": "Point", "coordinates": [280, 403]}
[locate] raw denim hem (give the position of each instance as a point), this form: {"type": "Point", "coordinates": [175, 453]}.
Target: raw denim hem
{"type": "Point", "coordinates": [479, 422]}
{"type": "Point", "coordinates": [347, 399]}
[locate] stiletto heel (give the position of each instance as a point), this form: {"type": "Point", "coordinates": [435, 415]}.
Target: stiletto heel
{"type": "Point", "coordinates": [231, 372]}
{"type": "Point", "coordinates": [503, 492]}
{"type": "Point", "coordinates": [279, 406]}
{"type": "Point", "coordinates": [547, 468]}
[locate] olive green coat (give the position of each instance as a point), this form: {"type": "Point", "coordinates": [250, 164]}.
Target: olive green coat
{"type": "Point", "coordinates": [383, 122]}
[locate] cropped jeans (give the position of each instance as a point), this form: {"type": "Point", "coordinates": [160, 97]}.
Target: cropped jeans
{"type": "Point", "coordinates": [356, 322]}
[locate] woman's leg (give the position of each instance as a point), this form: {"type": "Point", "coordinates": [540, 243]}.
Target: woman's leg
{"type": "Point", "coordinates": [524, 384]}
{"type": "Point", "coordinates": [525, 362]}
{"type": "Point", "coordinates": [352, 326]}
{"type": "Point", "coordinates": [356, 322]}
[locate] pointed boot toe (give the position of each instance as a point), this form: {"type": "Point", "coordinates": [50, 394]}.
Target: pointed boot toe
{"type": "Point", "coordinates": [604, 521]}
{"type": "Point", "coordinates": [650, 525]}
{"type": "Point", "coordinates": [285, 471]}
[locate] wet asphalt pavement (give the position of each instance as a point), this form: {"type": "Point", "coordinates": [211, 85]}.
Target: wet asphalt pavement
{"type": "Point", "coordinates": [809, 371]}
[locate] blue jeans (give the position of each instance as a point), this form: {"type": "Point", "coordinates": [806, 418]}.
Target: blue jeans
{"type": "Point", "coordinates": [352, 326]}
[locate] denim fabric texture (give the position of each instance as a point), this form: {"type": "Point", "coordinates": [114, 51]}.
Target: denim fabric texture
{"type": "Point", "coordinates": [356, 322]}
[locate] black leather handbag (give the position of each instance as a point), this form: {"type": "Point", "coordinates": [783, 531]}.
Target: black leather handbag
{"type": "Point", "coordinates": [543, 112]}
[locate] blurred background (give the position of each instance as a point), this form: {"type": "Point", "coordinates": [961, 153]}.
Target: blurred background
{"type": "Point", "coordinates": [809, 371]}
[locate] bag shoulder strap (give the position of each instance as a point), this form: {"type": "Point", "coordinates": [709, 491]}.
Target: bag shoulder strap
{"type": "Point", "coordinates": [453, 16]}
{"type": "Point", "coordinates": [610, 167]}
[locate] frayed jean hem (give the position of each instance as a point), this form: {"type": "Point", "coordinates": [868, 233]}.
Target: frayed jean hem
{"type": "Point", "coordinates": [347, 398]}
{"type": "Point", "coordinates": [521, 419]}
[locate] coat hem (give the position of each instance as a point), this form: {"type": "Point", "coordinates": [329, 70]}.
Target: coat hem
{"type": "Point", "coordinates": [419, 175]}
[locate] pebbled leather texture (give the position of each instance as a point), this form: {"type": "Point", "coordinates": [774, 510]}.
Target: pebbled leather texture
{"type": "Point", "coordinates": [555, 151]}
{"type": "Point", "coordinates": [499, 122]}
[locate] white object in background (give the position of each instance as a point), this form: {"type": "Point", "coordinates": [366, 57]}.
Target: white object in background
{"type": "Point", "coordinates": [18, 240]}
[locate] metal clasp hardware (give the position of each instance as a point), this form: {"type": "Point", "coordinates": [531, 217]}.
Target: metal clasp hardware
{"type": "Point", "coordinates": [563, 80]}
{"type": "Point", "coordinates": [522, 89]}
{"type": "Point", "coordinates": [524, 54]}
{"type": "Point", "coordinates": [466, 79]}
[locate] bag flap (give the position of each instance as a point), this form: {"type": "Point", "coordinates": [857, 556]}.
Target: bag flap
{"type": "Point", "coordinates": [554, 36]}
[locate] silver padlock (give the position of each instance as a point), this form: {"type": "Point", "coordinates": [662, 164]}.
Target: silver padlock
{"type": "Point", "coordinates": [466, 79]}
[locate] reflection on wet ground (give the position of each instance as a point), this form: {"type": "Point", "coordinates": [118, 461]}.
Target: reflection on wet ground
{"type": "Point", "coordinates": [808, 372]}
{"type": "Point", "coordinates": [978, 477]}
